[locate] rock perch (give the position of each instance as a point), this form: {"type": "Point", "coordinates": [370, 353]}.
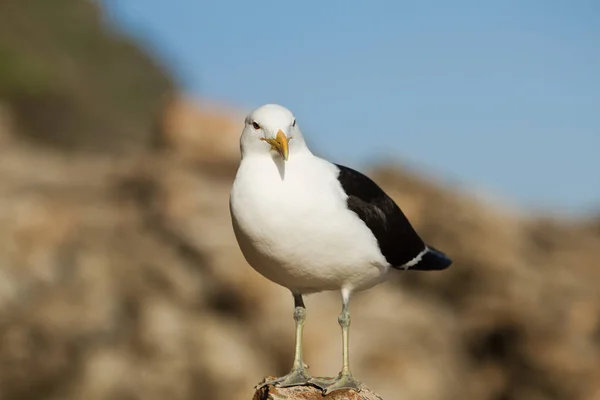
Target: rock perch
{"type": "Point", "coordinates": [309, 392]}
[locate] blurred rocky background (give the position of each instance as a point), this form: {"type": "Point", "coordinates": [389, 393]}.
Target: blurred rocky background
{"type": "Point", "coordinates": [120, 277]}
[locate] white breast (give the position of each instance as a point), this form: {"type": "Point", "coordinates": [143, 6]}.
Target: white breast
{"type": "Point", "coordinates": [297, 231]}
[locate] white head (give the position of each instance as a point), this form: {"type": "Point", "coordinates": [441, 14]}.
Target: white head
{"type": "Point", "coordinates": [271, 130]}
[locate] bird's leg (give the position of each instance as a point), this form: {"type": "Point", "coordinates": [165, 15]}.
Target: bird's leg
{"type": "Point", "coordinates": [344, 380]}
{"type": "Point", "coordinates": [298, 375]}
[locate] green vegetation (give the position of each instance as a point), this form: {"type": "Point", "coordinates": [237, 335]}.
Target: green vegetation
{"type": "Point", "coordinates": [71, 82]}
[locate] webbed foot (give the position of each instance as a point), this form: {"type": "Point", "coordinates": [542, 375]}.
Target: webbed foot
{"type": "Point", "coordinates": [342, 381]}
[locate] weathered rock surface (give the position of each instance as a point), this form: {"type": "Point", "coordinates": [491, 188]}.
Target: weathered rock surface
{"type": "Point", "coordinates": [312, 393]}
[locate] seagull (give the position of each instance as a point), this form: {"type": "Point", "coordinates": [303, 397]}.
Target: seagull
{"type": "Point", "coordinates": [310, 226]}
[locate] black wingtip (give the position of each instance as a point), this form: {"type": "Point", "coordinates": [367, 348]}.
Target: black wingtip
{"type": "Point", "coordinates": [433, 260]}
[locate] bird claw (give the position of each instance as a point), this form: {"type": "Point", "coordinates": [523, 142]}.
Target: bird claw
{"type": "Point", "coordinates": [343, 381]}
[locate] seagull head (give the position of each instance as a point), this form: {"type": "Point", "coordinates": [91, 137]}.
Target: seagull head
{"type": "Point", "coordinates": [268, 131]}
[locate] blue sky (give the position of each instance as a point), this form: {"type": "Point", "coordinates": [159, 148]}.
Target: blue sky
{"type": "Point", "coordinates": [503, 96]}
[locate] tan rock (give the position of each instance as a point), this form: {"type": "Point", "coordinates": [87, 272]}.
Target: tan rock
{"type": "Point", "coordinates": [201, 131]}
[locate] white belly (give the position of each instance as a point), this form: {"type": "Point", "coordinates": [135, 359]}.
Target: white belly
{"type": "Point", "coordinates": [298, 232]}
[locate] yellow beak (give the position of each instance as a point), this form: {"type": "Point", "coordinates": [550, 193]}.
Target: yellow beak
{"type": "Point", "coordinates": [279, 144]}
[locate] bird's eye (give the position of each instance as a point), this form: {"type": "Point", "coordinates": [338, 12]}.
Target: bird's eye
{"type": "Point", "coordinates": [255, 125]}
{"type": "Point", "coordinates": [294, 123]}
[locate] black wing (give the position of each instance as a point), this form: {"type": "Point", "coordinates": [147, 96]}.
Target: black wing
{"type": "Point", "coordinates": [398, 241]}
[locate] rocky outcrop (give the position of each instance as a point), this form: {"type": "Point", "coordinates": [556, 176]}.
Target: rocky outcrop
{"type": "Point", "coordinates": [312, 393]}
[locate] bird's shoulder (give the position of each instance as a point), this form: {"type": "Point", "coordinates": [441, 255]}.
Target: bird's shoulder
{"type": "Point", "coordinates": [397, 239]}
{"type": "Point", "coordinates": [359, 185]}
